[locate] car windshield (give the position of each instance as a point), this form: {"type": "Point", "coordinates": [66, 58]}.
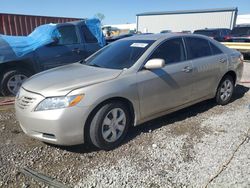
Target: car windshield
{"type": "Point", "coordinates": [119, 55]}
{"type": "Point", "coordinates": [241, 31]}
{"type": "Point", "coordinates": [206, 33]}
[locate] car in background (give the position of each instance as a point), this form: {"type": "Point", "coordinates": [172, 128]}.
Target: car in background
{"type": "Point", "coordinates": [240, 34]}
{"type": "Point", "coordinates": [115, 38]}
{"type": "Point", "coordinates": [186, 31]}
{"type": "Point", "coordinates": [220, 34]}
{"type": "Point", "coordinates": [21, 57]}
{"type": "Point", "coordinates": [166, 31]}
{"type": "Point", "coordinates": [126, 83]}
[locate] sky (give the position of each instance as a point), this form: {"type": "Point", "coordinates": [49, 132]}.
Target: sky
{"type": "Point", "coordinates": [115, 11]}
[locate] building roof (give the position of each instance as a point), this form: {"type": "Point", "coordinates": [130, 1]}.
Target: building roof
{"type": "Point", "coordinates": [189, 11]}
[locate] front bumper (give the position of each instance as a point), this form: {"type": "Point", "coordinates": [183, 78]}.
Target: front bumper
{"type": "Point", "coordinates": [60, 127]}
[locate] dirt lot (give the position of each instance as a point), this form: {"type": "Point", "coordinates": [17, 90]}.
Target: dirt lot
{"type": "Point", "coordinates": [201, 146]}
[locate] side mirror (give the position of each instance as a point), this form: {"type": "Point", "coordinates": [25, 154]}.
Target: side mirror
{"type": "Point", "coordinates": [154, 64]}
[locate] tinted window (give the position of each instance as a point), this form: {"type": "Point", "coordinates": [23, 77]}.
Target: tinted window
{"type": "Point", "coordinates": [120, 54]}
{"type": "Point", "coordinates": [197, 47]}
{"type": "Point", "coordinates": [68, 35]}
{"type": "Point", "coordinates": [89, 37]}
{"type": "Point", "coordinates": [241, 31]}
{"type": "Point", "coordinates": [215, 49]}
{"type": "Point", "coordinates": [209, 33]}
{"type": "Point", "coordinates": [171, 51]}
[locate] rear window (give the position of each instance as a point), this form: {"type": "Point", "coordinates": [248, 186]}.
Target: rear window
{"type": "Point", "coordinates": [215, 49]}
{"type": "Point", "coordinates": [197, 47]}
{"type": "Point", "coordinates": [241, 31]}
{"type": "Point", "coordinates": [88, 36]}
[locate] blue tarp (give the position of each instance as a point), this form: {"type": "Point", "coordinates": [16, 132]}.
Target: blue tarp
{"type": "Point", "coordinates": [20, 45]}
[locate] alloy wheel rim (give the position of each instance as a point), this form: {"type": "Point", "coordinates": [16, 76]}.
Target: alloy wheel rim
{"type": "Point", "coordinates": [113, 125]}
{"type": "Point", "coordinates": [226, 90]}
{"type": "Point", "coordinates": [15, 82]}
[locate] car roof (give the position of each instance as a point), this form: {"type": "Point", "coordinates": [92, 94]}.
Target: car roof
{"type": "Point", "coordinates": [212, 29]}
{"type": "Point", "coordinates": [72, 23]}
{"type": "Point", "coordinates": [155, 37]}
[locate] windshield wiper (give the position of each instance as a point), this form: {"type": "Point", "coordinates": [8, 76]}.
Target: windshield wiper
{"type": "Point", "coordinates": [94, 65]}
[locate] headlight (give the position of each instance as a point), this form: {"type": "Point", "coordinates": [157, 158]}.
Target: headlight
{"type": "Point", "coordinates": [53, 103]}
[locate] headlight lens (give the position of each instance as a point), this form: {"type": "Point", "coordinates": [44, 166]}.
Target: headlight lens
{"type": "Point", "coordinates": [53, 103]}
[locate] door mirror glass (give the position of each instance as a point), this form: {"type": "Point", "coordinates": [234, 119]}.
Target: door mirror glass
{"type": "Point", "coordinates": [154, 64]}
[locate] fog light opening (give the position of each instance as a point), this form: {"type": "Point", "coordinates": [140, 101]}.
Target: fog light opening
{"type": "Point", "coordinates": [50, 136]}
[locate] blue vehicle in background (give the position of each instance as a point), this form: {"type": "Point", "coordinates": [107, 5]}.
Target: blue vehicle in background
{"type": "Point", "coordinates": [48, 46]}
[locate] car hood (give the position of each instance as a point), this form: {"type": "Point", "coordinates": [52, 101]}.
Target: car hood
{"type": "Point", "coordinates": [60, 81]}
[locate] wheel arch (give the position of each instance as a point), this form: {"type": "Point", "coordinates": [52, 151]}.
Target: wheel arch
{"type": "Point", "coordinates": [232, 74]}
{"type": "Point", "coordinates": [22, 64]}
{"type": "Point", "coordinates": [124, 100]}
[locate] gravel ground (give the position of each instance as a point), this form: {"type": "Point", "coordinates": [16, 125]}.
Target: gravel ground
{"type": "Point", "coordinates": [201, 146]}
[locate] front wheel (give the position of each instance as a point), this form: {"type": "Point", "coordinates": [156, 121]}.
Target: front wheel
{"type": "Point", "coordinates": [109, 125]}
{"type": "Point", "coordinates": [225, 90]}
{"type": "Point", "coordinates": [12, 81]}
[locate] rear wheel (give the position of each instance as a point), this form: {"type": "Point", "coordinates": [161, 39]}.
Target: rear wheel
{"type": "Point", "coordinates": [109, 125]}
{"type": "Point", "coordinates": [12, 81]}
{"type": "Point", "coordinates": [225, 90]}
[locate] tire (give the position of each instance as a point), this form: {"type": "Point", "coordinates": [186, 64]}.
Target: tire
{"type": "Point", "coordinates": [12, 80]}
{"type": "Point", "coordinates": [103, 126]}
{"type": "Point", "coordinates": [225, 90]}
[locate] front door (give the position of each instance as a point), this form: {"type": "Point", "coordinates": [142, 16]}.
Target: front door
{"type": "Point", "coordinates": [169, 87]}
{"type": "Point", "coordinates": [67, 50]}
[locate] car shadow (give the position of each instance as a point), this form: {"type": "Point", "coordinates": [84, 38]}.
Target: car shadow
{"type": "Point", "coordinates": [157, 123]}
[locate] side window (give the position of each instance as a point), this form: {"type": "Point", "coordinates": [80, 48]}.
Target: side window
{"type": "Point", "coordinates": [215, 49]}
{"type": "Point", "coordinates": [89, 37]}
{"type": "Point", "coordinates": [197, 48]}
{"type": "Point", "coordinates": [68, 35]}
{"type": "Point", "coordinates": [171, 51]}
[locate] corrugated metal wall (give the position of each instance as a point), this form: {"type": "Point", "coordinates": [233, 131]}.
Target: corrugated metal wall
{"type": "Point", "coordinates": [13, 24]}
{"type": "Point", "coordinates": [187, 21]}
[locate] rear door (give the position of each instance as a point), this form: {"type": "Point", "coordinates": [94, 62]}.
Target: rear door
{"type": "Point", "coordinates": [67, 50]}
{"type": "Point", "coordinates": [90, 42]}
{"type": "Point", "coordinates": [208, 63]}
{"type": "Point", "coordinates": [168, 87]}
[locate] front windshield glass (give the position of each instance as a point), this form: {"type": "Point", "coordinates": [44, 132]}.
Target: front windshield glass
{"type": "Point", "coordinates": [119, 55]}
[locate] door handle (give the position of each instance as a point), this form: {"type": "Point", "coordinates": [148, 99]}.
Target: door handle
{"type": "Point", "coordinates": [187, 69]}
{"type": "Point", "coordinates": [222, 60]}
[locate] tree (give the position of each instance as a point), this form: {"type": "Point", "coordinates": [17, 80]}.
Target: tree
{"type": "Point", "coordinates": [100, 16]}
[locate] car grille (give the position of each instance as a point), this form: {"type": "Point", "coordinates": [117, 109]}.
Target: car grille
{"type": "Point", "coordinates": [24, 102]}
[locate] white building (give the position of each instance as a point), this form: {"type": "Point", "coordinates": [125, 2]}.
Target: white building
{"type": "Point", "coordinates": [188, 20]}
{"type": "Point", "coordinates": [243, 19]}
{"type": "Point", "coordinates": [123, 26]}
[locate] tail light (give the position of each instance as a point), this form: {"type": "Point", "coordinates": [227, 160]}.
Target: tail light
{"type": "Point", "coordinates": [227, 37]}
